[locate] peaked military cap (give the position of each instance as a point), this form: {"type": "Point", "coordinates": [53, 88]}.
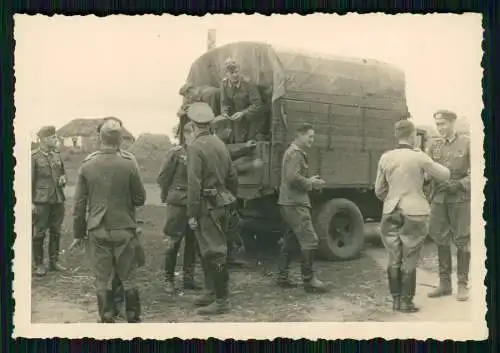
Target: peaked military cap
{"type": "Point", "coordinates": [46, 131]}
{"type": "Point", "coordinates": [403, 127]}
{"type": "Point", "coordinates": [200, 113]}
{"type": "Point", "coordinates": [445, 114]}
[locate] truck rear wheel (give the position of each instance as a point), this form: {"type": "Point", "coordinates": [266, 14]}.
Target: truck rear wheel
{"type": "Point", "coordinates": [340, 228]}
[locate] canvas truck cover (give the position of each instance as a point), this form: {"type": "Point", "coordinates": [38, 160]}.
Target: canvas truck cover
{"type": "Point", "coordinates": [278, 71]}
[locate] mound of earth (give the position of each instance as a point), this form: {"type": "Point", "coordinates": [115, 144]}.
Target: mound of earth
{"type": "Point", "coordinates": [150, 146]}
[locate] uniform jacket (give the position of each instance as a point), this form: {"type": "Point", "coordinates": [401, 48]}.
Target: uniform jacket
{"type": "Point", "coordinates": [209, 166]}
{"type": "Point", "coordinates": [243, 97]}
{"type": "Point", "coordinates": [295, 185]}
{"type": "Point", "coordinates": [172, 178]}
{"type": "Point", "coordinates": [110, 187]}
{"type": "Point", "coordinates": [400, 180]}
{"type": "Point", "coordinates": [46, 169]}
{"type": "Point", "coordinates": [455, 155]}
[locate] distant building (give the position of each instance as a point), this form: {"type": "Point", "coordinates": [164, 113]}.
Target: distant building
{"type": "Point", "coordinates": [81, 134]}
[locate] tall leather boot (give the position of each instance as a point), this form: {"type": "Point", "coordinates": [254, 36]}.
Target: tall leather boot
{"type": "Point", "coordinates": [132, 305]}
{"type": "Point", "coordinates": [408, 288]}
{"type": "Point", "coordinates": [54, 247]}
{"type": "Point", "coordinates": [311, 283]}
{"type": "Point", "coordinates": [118, 296]}
{"type": "Point", "coordinates": [189, 265]}
{"type": "Point", "coordinates": [221, 286]}
{"type": "Point", "coordinates": [283, 279]}
{"type": "Point", "coordinates": [463, 264]}
{"type": "Point", "coordinates": [394, 279]}
{"type": "Point", "coordinates": [105, 306]}
{"type": "Point", "coordinates": [444, 288]}
{"type": "Point", "coordinates": [170, 262]}
{"type": "Point", "coordinates": [208, 297]}
{"type": "Point", "coordinates": [37, 250]}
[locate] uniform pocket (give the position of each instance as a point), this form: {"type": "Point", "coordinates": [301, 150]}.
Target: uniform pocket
{"type": "Point", "coordinates": [42, 194]}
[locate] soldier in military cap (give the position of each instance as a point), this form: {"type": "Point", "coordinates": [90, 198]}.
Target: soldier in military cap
{"type": "Point", "coordinates": [173, 183]}
{"type": "Point", "coordinates": [242, 104]}
{"type": "Point", "coordinates": [48, 179]}
{"type": "Point", "coordinates": [404, 224]}
{"type": "Point", "coordinates": [110, 187]}
{"type": "Point", "coordinates": [212, 184]}
{"type": "Point", "coordinates": [450, 205]}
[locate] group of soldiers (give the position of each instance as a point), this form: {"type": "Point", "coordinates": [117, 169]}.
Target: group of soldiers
{"type": "Point", "coordinates": [199, 183]}
{"type": "Point", "coordinates": [409, 215]}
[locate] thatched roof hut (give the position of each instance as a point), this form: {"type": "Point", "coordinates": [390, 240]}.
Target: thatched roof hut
{"type": "Point", "coordinates": [86, 127]}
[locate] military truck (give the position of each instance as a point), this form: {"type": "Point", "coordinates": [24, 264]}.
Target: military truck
{"type": "Point", "coordinates": [352, 104]}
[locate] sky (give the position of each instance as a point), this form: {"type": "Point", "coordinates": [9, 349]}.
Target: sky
{"type": "Point", "coordinates": [133, 66]}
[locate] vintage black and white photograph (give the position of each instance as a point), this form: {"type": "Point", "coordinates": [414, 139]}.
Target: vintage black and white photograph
{"type": "Point", "coordinates": [247, 176]}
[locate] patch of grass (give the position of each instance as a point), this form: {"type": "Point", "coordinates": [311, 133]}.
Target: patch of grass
{"type": "Point", "coordinates": [359, 290]}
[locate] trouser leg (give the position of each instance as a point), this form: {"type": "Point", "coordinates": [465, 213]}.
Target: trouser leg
{"type": "Point", "coordinates": [189, 261]}
{"type": "Point", "coordinates": [284, 261]}
{"type": "Point", "coordinates": [56, 218]}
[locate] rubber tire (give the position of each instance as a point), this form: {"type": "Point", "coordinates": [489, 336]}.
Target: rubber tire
{"type": "Point", "coordinates": [326, 249]}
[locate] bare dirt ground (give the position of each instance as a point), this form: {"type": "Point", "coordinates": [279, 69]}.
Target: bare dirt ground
{"type": "Point", "coordinates": [358, 288]}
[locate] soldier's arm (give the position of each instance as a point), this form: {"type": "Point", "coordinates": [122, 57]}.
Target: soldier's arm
{"type": "Point", "coordinates": [137, 191]}
{"type": "Point", "coordinates": [167, 170]}
{"type": "Point", "coordinates": [80, 206]}
{"type": "Point", "coordinates": [255, 100]}
{"type": "Point", "coordinates": [433, 169]}
{"type": "Point", "coordinates": [381, 184]}
{"type": "Point", "coordinates": [33, 177]}
{"type": "Point", "coordinates": [194, 176]}
{"type": "Point", "coordinates": [465, 181]}
{"type": "Point", "coordinates": [225, 102]}
{"type": "Point", "coordinates": [232, 180]}
{"type": "Point", "coordinates": [292, 173]}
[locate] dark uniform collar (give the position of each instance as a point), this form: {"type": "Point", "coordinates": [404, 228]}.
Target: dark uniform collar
{"type": "Point", "coordinates": [109, 150]}
{"type": "Point", "coordinates": [452, 138]}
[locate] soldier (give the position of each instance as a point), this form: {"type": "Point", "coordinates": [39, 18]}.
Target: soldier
{"type": "Point", "coordinates": [242, 104]}
{"type": "Point", "coordinates": [450, 205]}
{"type": "Point", "coordinates": [172, 180]}
{"type": "Point", "coordinates": [48, 179]}
{"type": "Point", "coordinates": [295, 208]}
{"type": "Point", "coordinates": [399, 184]}
{"type": "Point", "coordinates": [212, 184]}
{"type": "Point", "coordinates": [110, 187]}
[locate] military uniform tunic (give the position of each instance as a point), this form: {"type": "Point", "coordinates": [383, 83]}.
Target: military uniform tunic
{"type": "Point", "coordinates": [243, 97]}
{"type": "Point", "coordinates": [172, 180]}
{"type": "Point", "coordinates": [294, 202]}
{"type": "Point", "coordinates": [110, 188]}
{"type": "Point", "coordinates": [450, 212]}
{"type": "Point", "coordinates": [210, 169]}
{"type": "Point", "coordinates": [48, 198]}
{"type": "Point", "coordinates": [399, 184]}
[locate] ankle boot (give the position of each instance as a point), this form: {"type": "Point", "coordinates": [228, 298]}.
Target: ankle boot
{"type": "Point", "coordinates": [132, 305]}
{"type": "Point", "coordinates": [283, 279]}
{"type": "Point", "coordinates": [463, 264]}
{"type": "Point", "coordinates": [221, 303]}
{"type": "Point", "coordinates": [408, 288]}
{"type": "Point", "coordinates": [37, 253]}
{"type": "Point", "coordinates": [105, 306]}
{"type": "Point", "coordinates": [444, 259]}
{"type": "Point", "coordinates": [118, 297]}
{"type": "Point", "coordinates": [394, 279]}
{"type": "Point", "coordinates": [170, 262]}
{"type": "Point", "coordinates": [311, 283]}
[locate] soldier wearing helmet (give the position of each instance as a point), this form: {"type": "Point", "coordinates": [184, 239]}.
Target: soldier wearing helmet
{"type": "Point", "coordinates": [242, 104]}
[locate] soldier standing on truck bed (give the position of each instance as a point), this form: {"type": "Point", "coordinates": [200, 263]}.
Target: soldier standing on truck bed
{"type": "Point", "coordinates": [48, 179]}
{"type": "Point", "coordinates": [404, 224]}
{"type": "Point", "coordinates": [450, 205]}
{"type": "Point", "coordinates": [212, 184]}
{"type": "Point", "coordinates": [295, 208]}
{"type": "Point", "coordinates": [110, 188]}
{"type": "Point", "coordinates": [172, 180]}
{"type": "Point", "coordinates": [241, 103]}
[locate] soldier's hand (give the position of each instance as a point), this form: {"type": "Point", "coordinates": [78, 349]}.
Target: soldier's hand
{"type": "Point", "coordinates": [251, 143]}
{"type": "Point", "coordinates": [77, 244]}
{"type": "Point", "coordinates": [236, 116]}
{"type": "Point", "coordinates": [193, 223]}
{"type": "Point", "coordinates": [62, 181]}
{"type": "Point", "coordinates": [257, 163]}
{"type": "Point", "coordinates": [317, 182]}
{"type": "Point", "coordinates": [453, 186]}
